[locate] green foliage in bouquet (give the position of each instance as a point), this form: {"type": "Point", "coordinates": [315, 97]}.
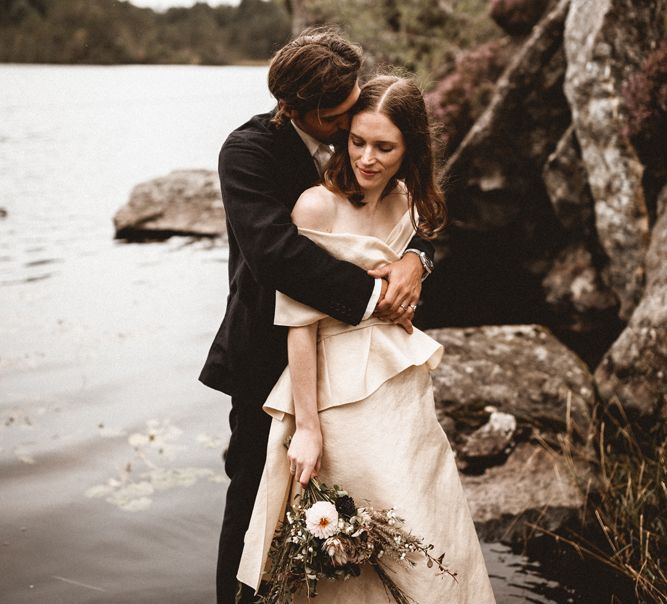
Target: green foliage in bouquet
{"type": "Point", "coordinates": [324, 535]}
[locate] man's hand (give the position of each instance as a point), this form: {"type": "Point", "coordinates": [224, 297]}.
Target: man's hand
{"type": "Point", "coordinates": [397, 304]}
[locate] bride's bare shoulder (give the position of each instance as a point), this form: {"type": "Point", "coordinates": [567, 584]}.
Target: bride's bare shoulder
{"type": "Point", "coordinates": [315, 209]}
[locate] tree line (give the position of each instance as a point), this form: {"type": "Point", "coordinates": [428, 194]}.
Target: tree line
{"type": "Point", "coordinates": [116, 32]}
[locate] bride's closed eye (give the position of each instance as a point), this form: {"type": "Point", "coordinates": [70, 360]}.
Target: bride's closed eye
{"type": "Point", "coordinates": [357, 142]}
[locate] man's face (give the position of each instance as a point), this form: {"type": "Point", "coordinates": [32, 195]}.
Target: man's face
{"type": "Point", "coordinates": [326, 125]}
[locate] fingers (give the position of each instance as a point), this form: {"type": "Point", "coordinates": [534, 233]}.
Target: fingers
{"type": "Point", "coordinates": [306, 473]}
{"type": "Point", "coordinates": [379, 273]}
{"type": "Point", "coordinates": [405, 311]}
{"type": "Point", "coordinates": [406, 324]}
{"type": "Point", "coordinates": [397, 300]}
{"type": "Point", "coordinates": [304, 470]}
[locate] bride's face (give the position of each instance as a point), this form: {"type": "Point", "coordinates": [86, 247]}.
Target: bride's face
{"type": "Point", "coordinates": [376, 148]}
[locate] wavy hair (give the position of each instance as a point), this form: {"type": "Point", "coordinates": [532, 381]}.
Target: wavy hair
{"type": "Point", "coordinates": [401, 100]}
{"type": "Point", "coordinates": [318, 69]}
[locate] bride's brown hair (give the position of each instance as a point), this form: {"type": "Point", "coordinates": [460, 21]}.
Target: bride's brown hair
{"type": "Point", "coordinates": [401, 100]}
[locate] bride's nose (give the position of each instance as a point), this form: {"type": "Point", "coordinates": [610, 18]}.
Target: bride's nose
{"type": "Point", "coordinates": [368, 156]}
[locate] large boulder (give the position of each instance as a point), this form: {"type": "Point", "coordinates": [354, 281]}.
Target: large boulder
{"type": "Point", "coordinates": [512, 400]}
{"type": "Point", "coordinates": [635, 368]}
{"type": "Point", "coordinates": [504, 233]}
{"type": "Point", "coordinates": [185, 202]}
{"type": "Point", "coordinates": [605, 41]}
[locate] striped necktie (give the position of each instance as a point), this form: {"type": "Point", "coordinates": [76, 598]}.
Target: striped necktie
{"type": "Point", "coordinates": [322, 156]}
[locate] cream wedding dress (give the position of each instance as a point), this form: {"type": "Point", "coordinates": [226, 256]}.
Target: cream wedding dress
{"type": "Point", "coordinates": [382, 443]}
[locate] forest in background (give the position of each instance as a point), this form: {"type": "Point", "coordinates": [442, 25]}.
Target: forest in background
{"type": "Point", "coordinates": [114, 32]}
{"type": "Point", "coordinates": [423, 36]}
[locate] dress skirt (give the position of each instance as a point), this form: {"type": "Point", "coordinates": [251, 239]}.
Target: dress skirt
{"type": "Point", "coordinates": [390, 451]}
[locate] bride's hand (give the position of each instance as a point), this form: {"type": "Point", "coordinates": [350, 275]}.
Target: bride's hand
{"type": "Point", "coordinates": [305, 453]}
{"type": "Point", "coordinates": [402, 295]}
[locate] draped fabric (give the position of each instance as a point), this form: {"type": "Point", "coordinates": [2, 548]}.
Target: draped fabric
{"type": "Point", "coordinates": [382, 441]}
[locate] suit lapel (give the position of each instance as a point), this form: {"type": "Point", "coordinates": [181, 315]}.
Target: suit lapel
{"type": "Point", "coordinates": [298, 171]}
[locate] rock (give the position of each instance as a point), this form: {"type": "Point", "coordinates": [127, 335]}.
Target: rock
{"type": "Point", "coordinates": [566, 182]}
{"type": "Point", "coordinates": [604, 41]}
{"type": "Point", "coordinates": [514, 396]}
{"type": "Point", "coordinates": [635, 368]}
{"type": "Point", "coordinates": [521, 370]}
{"type": "Point", "coordinates": [185, 202]}
{"type": "Point", "coordinates": [534, 486]}
{"type": "Point", "coordinates": [491, 176]}
{"type": "Point", "coordinates": [577, 293]}
{"type": "Point", "coordinates": [504, 233]}
{"type": "Point", "coordinates": [517, 17]}
{"type": "Point", "coordinates": [575, 285]}
{"type": "Point", "coordinates": [492, 442]}
{"type": "Point", "coordinates": [3, 213]}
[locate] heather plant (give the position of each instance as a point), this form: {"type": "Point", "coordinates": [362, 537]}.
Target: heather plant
{"type": "Point", "coordinates": [645, 95]}
{"type": "Point", "coordinates": [461, 96]}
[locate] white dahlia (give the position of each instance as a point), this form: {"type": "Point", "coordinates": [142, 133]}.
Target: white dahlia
{"type": "Point", "coordinates": [322, 519]}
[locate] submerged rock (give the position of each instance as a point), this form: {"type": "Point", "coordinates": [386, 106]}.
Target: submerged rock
{"type": "Point", "coordinates": [185, 202]}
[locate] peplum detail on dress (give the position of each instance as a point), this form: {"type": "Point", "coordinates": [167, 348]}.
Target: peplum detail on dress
{"type": "Point", "coordinates": [381, 350]}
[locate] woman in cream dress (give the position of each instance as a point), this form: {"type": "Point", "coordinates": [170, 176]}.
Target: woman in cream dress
{"type": "Point", "coordinates": [358, 400]}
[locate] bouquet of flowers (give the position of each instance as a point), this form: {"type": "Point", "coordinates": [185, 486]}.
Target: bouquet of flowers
{"type": "Point", "coordinates": [324, 535]}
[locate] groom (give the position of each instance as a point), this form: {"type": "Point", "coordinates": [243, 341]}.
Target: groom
{"type": "Point", "coordinates": [264, 166]}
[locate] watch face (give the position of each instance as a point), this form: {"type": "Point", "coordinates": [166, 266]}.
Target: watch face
{"type": "Point", "coordinates": [426, 261]}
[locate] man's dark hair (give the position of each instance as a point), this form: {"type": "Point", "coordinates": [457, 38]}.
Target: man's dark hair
{"type": "Point", "coordinates": [318, 69]}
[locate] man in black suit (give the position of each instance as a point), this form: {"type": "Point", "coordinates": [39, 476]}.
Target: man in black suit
{"type": "Point", "coordinates": [264, 166]}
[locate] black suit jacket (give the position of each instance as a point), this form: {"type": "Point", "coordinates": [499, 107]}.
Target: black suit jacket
{"type": "Point", "coordinates": [263, 170]}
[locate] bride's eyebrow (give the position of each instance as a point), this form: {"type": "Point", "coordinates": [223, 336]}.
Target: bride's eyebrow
{"type": "Point", "coordinates": [353, 134]}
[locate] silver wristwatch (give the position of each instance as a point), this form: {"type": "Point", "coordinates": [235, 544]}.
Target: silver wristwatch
{"type": "Point", "coordinates": [427, 264]}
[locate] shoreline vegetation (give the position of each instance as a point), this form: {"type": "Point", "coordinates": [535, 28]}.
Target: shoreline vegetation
{"type": "Point", "coordinates": [113, 32]}
{"type": "Point", "coordinates": [621, 526]}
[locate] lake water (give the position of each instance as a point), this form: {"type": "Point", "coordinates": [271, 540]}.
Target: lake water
{"type": "Point", "coordinates": [112, 486]}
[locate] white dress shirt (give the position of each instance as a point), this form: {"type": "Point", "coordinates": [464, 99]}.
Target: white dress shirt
{"type": "Point", "coordinates": [321, 153]}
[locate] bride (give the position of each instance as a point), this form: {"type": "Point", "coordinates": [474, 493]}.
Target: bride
{"type": "Point", "coordinates": [358, 400]}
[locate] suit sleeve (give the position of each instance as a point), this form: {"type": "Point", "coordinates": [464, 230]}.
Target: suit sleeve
{"type": "Point", "coordinates": [277, 255]}
{"type": "Point", "coordinates": [422, 245]}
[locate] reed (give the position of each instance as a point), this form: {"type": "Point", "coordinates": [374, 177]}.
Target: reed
{"type": "Point", "coordinates": [622, 523]}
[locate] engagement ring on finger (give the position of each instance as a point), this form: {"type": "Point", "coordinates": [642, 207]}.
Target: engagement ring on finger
{"type": "Point", "coordinates": [403, 306]}
{"type": "Point", "coordinates": [413, 307]}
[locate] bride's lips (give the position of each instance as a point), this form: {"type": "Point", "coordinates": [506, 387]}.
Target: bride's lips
{"type": "Point", "coordinates": [367, 173]}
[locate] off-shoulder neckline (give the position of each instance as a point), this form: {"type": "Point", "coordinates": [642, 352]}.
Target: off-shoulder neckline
{"type": "Point", "coordinates": [348, 234]}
